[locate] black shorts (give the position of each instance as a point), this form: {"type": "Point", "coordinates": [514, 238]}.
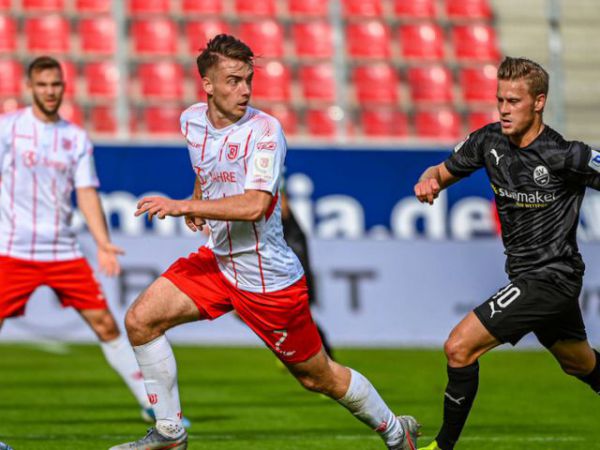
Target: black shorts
{"type": "Point", "coordinates": [546, 306]}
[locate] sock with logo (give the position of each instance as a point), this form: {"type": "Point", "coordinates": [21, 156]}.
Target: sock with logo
{"type": "Point", "coordinates": [458, 399]}
{"type": "Point", "coordinates": [120, 357]}
{"type": "Point", "coordinates": [593, 378]}
{"type": "Point", "coordinates": [157, 362]}
{"type": "Point", "coordinates": [363, 401]}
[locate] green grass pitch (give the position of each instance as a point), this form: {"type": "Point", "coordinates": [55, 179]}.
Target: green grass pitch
{"type": "Point", "coordinates": [237, 398]}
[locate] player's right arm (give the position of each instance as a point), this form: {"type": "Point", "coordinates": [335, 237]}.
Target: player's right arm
{"type": "Point", "coordinates": [432, 181]}
{"type": "Point", "coordinates": [466, 158]}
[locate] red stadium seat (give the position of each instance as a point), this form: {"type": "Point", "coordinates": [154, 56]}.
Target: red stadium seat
{"type": "Point", "coordinates": [11, 78]}
{"type": "Point", "coordinates": [255, 8]}
{"type": "Point", "coordinates": [376, 83]}
{"type": "Point", "coordinates": [475, 42]}
{"type": "Point", "coordinates": [48, 34]}
{"type": "Point", "coordinates": [43, 5]}
{"type": "Point", "coordinates": [93, 6]}
{"type": "Point", "coordinates": [384, 122]}
{"type": "Point", "coordinates": [102, 79]}
{"type": "Point", "coordinates": [162, 80]}
{"type": "Point", "coordinates": [478, 119]}
{"type": "Point", "coordinates": [141, 7]}
{"type": "Point", "coordinates": [103, 119]}
{"type": "Point", "coordinates": [318, 82]}
{"type": "Point", "coordinates": [441, 123]}
{"type": "Point", "coordinates": [479, 83]}
{"type": "Point", "coordinates": [286, 116]}
{"type": "Point", "coordinates": [156, 36]}
{"type": "Point", "coordinates": [423, 41]}
{"type": "Point", "coordinates": [415, 9]}
{"type": "Point", "coordinates": [468, 9]}
{"type": "Point", "coordinates": [98, 35]}
{"type": "Point", "coordinates": [272, 82]}
{"type": "Point", "coordinates": [5, 5]}
{"type": "Point", "coordinates": [362, 8]}
{"type": "Point", "coordinates": [369, 39]}
{"type": "Point", "coordinates": [313, 39]}
{"type": "Point", "coordinates": [320, 123]}
{"type": "Point", "coordinates": [308, 8]}
{"type": "Point", "coordinates": [430, 84]}
{"type": "Point", "coordinates": [265, 37]}
{"type": "Point", "coordinates": [70, 77]}
{"type": "Point", "coordinates": [162, 119]}
{"type": "Point", "coordinates": [199, 32]}
{"type": "Point", "coordinates": [8, 34]}
{"type": "Point", "coordinates": [71, 112]}
{"type": "Point", "coordinates": [203, 7]}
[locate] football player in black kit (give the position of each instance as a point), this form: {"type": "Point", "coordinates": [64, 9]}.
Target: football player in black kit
{"type": "Point", "coordinates": [539, 180]}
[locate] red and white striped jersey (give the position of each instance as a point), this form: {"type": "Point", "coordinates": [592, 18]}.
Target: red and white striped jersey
{"type": "Point", "coordinates": [246, 155]}
{"type": "Point", "coordinates": [40, 164]}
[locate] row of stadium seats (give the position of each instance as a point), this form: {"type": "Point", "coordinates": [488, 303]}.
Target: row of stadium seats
{"type": "Point", "coordinates": [160, 37]}
{"type": "Point", "coordinates": [412, 9]}
{"type": "Point", "coordinates": [372, 84]}
{"type": "Point", "coordinates": [444, 123]}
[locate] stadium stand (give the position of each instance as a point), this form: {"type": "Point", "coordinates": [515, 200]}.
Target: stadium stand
{"type": "Point", "coordinates": [400, 56]}
{"type": "Point", "coordinates": [376, 84]}
{"type": "Point", "coordinates": [48, 34]}
{"type": "Point", "coordinates": [441, 123]}
{"type": "Point", "coordinates": [11, 78]}
{"type": "Point", "coordinates": [8, 34]}
{"type": "Point", "coordinates": [98, 35]}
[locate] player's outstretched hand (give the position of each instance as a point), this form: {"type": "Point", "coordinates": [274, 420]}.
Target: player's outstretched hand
{"type": "Point", "coordinates": [160, 207]}
{"type": "Point", "coordinates": [194, 223]}
{"type": "Point", "coordinates": [107, 259]}
{"type": "Point", "coordinates": [427, 190]}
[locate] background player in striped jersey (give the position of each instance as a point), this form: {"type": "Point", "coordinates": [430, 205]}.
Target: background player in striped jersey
{"type": "Point", "coordinates": [43, 158]}
{"type": "Point", "coordinates": [238, 154]}
{"type": "Point", "coordinates": [539, 180]}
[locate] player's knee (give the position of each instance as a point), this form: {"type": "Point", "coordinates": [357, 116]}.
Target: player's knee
{"type": "Point", "coordinates": [576, 368]}
{"type": "Point", "coordinates": [457, 353]}
{"type": "Point", "coordinates": [134, 323]}
{"type": "Point", "coordinates": [104, 326]}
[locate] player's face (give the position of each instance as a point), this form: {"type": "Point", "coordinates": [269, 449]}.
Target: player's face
{"type": "Point", "coordinates": [47, 87]}
{"type": "Point", "coordinates": [229, 84]}
{"type": "Point", "coordinates": [518, 108]}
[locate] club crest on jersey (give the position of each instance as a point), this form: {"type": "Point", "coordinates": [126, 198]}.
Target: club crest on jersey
{"type": "Point", "coordinates": [30, 158]}
{"type": "Point", "coordinates": [595, 161]}
{"type": "Point", "coordinates": [232, 151]}
{"type": "Point", "coordinates": [67, 145]}
{"type": "Point", "coordinates": [541, 176]}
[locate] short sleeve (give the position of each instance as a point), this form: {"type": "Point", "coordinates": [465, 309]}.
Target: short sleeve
{"type": "Point", "coordinates": [467, 156]}
{"type": "Point", "coordinates": [5, 133]}
{"type": "Point", "coordinates": [582, 165]}
{"type": "Point", "coordinates": [266, 160]}
{"type": "Point", "coordinates": [85, 168]}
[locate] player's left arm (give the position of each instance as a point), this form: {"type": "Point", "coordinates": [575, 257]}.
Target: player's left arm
{"type": "Point", "coordinates": [582, 166]}
{"type": "Point", "coordinates": [86, 184]}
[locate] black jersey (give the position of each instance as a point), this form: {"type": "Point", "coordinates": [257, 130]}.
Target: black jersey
{"type": "Point", "coordinates": [538, 189]}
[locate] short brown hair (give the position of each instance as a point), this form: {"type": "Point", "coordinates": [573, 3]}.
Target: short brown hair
{"type": "Point", "coordinates": [223, 45]}
{"type": "Point", "coordinates": [43, 63]}
{"type": "Point", "coordinates": [535, 75]}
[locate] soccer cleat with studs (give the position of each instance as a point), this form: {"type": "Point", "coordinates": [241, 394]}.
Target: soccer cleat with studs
{"type": "Point", "coordinates": [155, 441]}
{"type": "Point", "coordinates": [411, 432]}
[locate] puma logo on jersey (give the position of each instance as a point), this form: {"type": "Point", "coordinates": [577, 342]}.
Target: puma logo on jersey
{"type": "Point", "coordinates": [495, 155]}
{"type": "Point", "coordinates": [458, 401]}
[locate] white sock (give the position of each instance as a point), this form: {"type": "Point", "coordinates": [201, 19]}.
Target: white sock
{"type": "Point", "coordinates": [120, 356]}
{"type": "Point", "coordinates": [366, 404]}
{"type": "Point", "coordinates": [158, 365]}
